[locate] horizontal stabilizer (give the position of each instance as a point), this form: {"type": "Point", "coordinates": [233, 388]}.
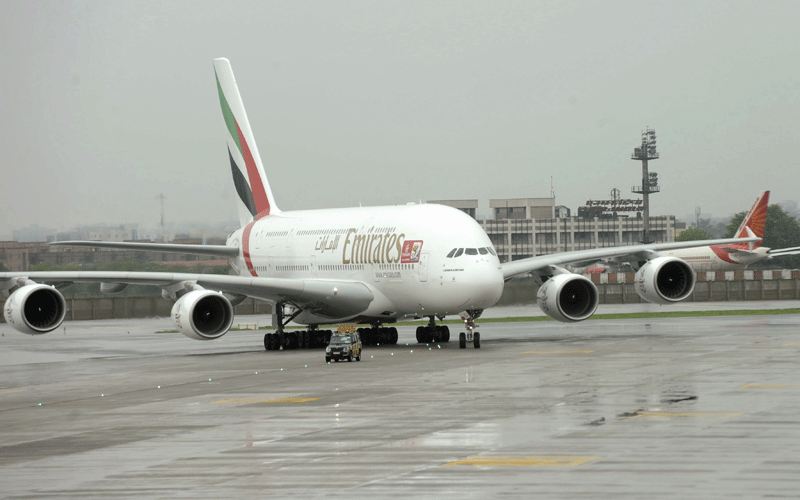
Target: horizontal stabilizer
{"type": "Point", "coordinates": [778, 252]}
{"type": "Point", "coordinates": [211, 250]}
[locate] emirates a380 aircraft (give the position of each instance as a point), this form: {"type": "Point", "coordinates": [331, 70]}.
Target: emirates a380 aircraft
{"type": "Point", "coordinates": [371, 266]}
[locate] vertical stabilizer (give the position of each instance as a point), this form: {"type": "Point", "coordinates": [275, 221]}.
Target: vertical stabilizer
{"type": "Point", "coordinates": [755, 219]}
{"type": "Point", "coordinates": [252, 187]}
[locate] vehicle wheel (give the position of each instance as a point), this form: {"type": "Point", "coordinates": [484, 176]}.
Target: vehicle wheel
{"type": "Point", "coordinates": [476, 340]}
{"type": "Point", "coordinates": [267, 342]}
{"type": "Point", "coordinates": [327, 359]}
{"type": "Point", "coordinates": [462, 340]}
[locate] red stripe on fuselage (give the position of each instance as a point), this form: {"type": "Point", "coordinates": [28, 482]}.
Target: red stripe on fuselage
{"type": "Point", "coordinates": [256, 186]}
{"type": "Point", "coordinates": [246, 248]}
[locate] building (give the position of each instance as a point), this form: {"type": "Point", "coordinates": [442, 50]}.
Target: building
{"type": "Point", "coordinates": [527, 227]}
{"type": "Point", "coordinates": [523, 208]}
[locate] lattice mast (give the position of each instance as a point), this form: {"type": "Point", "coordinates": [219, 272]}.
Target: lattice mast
{"type": "Point", "coordinates": [647, 151]}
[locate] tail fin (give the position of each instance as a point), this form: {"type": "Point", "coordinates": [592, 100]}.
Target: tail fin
{"type": "Point", "coordinates": [249, 178]}
{"type": "Point", "coordinates": [755, 218]}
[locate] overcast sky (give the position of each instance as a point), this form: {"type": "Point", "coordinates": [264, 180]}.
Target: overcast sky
{"type": "Point", "coordinates": [106, 105]}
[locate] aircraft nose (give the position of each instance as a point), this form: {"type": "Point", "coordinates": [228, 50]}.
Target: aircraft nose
{"type": "Point", "coordinates": [485, 286]}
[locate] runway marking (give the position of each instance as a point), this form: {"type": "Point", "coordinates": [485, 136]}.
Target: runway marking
{"type": "Point", "coordinates": [770, 386]}
{"type": "Point", "coordinates": [11, 392]}
{"type": "Point", "coordinates": [683, 414]}
{"type": "Point", "coordinates": [258, 400]}
{"type": "Point", "coordinates": [791, 343]}
{"type": "Point", "coordinates": [557, 352]}
{"type": "Point", "coordinates": [524, 461]}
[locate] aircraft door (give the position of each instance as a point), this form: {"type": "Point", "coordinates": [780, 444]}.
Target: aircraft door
{"type": "Point", "coordinates": [423, 266]}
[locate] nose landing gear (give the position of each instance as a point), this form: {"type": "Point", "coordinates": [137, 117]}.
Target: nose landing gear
{"type": "Point", "coordinates": [470, 335]}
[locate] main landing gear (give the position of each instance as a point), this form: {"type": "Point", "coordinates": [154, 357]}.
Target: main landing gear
{"type": "Point", "coordinates": [377, 335]}
{"type": "Point", "coordinates": [433, 332]}
{"type": "Point", "coordinates": [309, 339]}
{"type": "Point", "coordinates": [312, 338]}
{"type": "Point", "coordinates": [470, 335]}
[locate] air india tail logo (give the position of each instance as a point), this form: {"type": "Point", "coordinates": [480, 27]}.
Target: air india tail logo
{"type": "Point", "coordinates": [411, 251]}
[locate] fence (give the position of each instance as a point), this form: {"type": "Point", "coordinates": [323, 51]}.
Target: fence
{"type": "Point", "coordinates": [613, 288]}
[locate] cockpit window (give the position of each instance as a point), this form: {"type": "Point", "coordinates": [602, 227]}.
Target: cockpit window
{"type": "Point", "coordinates": [491, 251]}
{"type": "Point", "coordinates": [458, 253]}
{"type": "Point", "coordinates": [452, 252]}
{"type": "Point", "coordinates": [483, 251]}
{"type": "Point", "coordinates": [471, 251]}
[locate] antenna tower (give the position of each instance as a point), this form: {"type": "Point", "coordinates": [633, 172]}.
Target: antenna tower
{"type": "Point", "coordinates": [647, 151]}
{"type": "Point", "coordinates": [161, 197]}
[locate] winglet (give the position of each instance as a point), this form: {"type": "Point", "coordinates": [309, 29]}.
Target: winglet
{"type": "Point", "coordinates": [248, 171]}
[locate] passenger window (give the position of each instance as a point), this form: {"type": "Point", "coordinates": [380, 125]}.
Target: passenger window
{"type": "Point", "coordinates": [452, 252]}
{"type": "Point", "coordinates": [483, 251]}
{"type": "Point", "coordinates": [471, 251]}
{"type": "Point", "coordinates": [458, 253]}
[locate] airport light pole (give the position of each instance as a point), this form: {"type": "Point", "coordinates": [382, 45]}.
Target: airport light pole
{"type": "Point", "coordinates": [647, 151]}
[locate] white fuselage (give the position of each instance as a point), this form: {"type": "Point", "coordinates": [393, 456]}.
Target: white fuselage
{"type": "Point", "coordinates": [718, 258]}
{"type": "Point", "coordinates": [399, 252]}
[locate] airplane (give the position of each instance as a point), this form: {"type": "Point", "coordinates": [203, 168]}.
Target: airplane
{"type": "Point", "coordinates": [737, 255]}
{"type": "Point", "coordinates": [726, 257]}
{"type": "Point", "coordinates": [363, 265]}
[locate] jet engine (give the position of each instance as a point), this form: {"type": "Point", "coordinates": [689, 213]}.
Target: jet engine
{"type": "Point", "coordinates": [35, 309]}
{"type": "Point", "coordinates": [568, 297]}
{"type": "Point", "coordinates": [203, 315]}
{"type": "Point", "coordinates": [665, 280]}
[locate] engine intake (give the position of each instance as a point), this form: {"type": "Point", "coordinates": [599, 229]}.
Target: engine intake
{"type": "Point", "coordinates": [203, 315]}
{"type": "Point", "coordinates": [665, 280]}
{"type": "Point", "coordinates": [568, 297]}
{"type": "Point", "coordinates": [35, 309]}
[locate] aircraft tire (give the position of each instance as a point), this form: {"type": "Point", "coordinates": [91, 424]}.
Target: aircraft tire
{"type": "Point", "coordinates": [476, 340]}
{"type": "Point", "coordinates": [446, 331]}
{"type": "Point", "coordinates": [267, 342]}
{"type": "Point", "coordinates": [393, 335]}
{"type": "Point", "coordinates": [462, 340]}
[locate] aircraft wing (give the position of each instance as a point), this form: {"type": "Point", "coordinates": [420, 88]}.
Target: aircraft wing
{"type": "Point", "coordinates": [328, 298]}
{"type": "Point", "coordinates": [632, 253]}
{"type": "Point", "coordinates": [777, 252]}
{"type": "Point", "coordinates": [211, 250]}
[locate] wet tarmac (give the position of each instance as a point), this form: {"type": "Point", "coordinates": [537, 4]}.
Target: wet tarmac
{"type": "Point", "coordinates": [666, 408]}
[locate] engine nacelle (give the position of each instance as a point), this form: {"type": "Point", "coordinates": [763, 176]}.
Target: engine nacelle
{"type": "Point", "coordinates": [203, 315]}
{"type": "Point", "coordinates": [35, 309]}
{"type": "Point", "coordinates": [665, 280]}
{"type": "Point", "coordinates": [568, 297]}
